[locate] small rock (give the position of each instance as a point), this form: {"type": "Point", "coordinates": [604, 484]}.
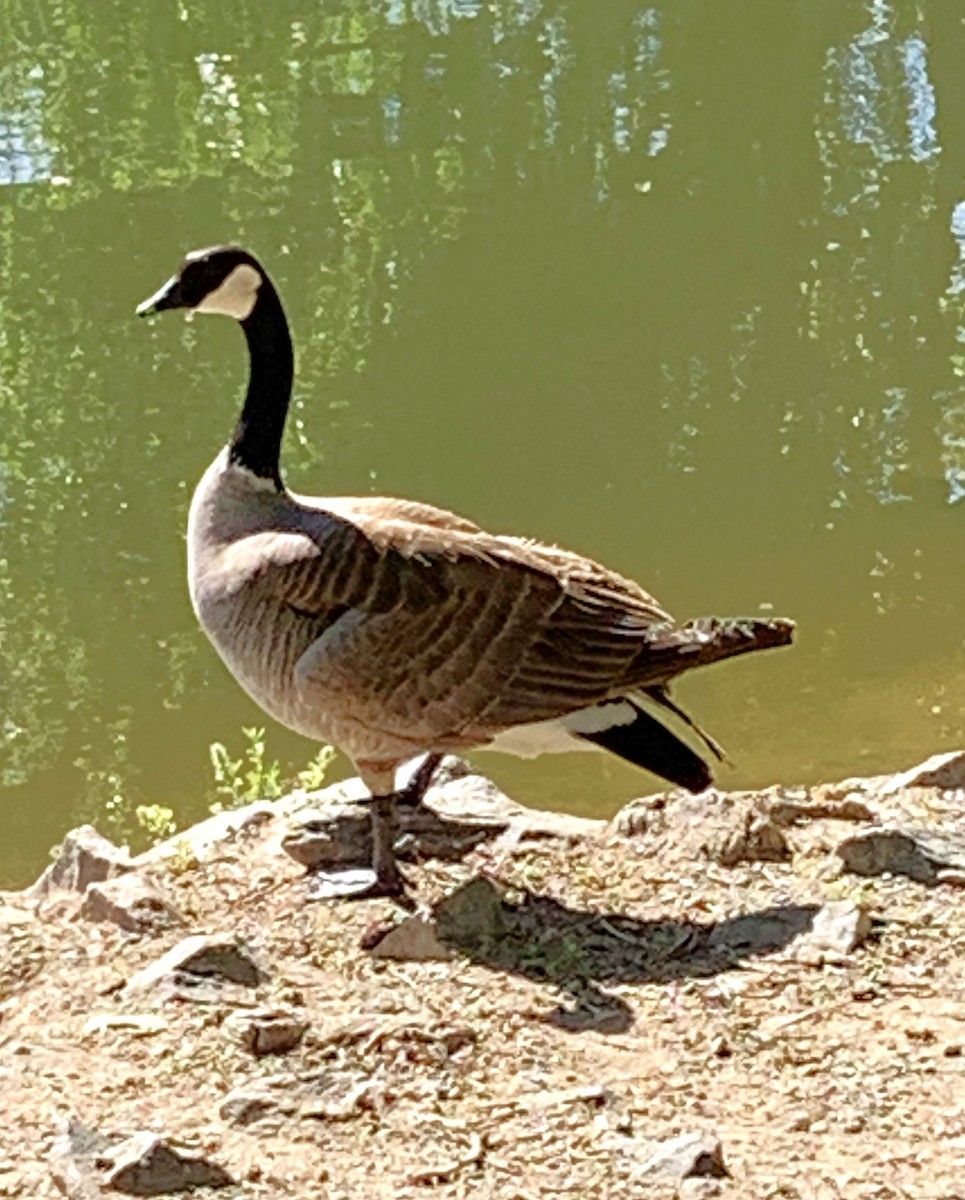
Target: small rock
{"type": "Point", "coordinates": [136, 1024]}
{"type": "Point", "coordinates": [476, 801]}
{"type": "Point", "coordinates": [640, 816]}
{"type": "Point", "coordinates": [131, 901]}
{"type": "Point", "coordinates": [614, 1115]}
{"type": "Point", "coordinates": [854, 786]}
{"type": "Point", "coordinates": [839, 927]}
{"type": "Point", "coordinates": [944, 771]}
{"type": "Point", "coordinates": [471, 915]}
{"type": "Point", "coordinates": [727, 827]}
{"type": "Point", "coordinates": [84, 857]}
{"type": "Point", "coordinates": [338, 835]}
{"type": "Point", "coordinates": [920, 854]}
{"type": "Point", "coordinates": [73, 1156]}
{"type": "Point", "coordinates": [756, 838]}
{"type": "Point", "coordinates": [698, 1187]}
{"type": "Point", "coordinates": [256, 1101]}
{"type": "Point", "coordinates": [821, 803]}
{"type": "Point", "coordinates": [691, 1154]}
{"type": "Point", "coordinates": [268, 1030]}
{"type": "Point", "coordinates": [341, 1102]}
{"type": "Point", "coordinates": [147, 1165]}
{"type": "Point", "coordinates": [220, 958]}
{"type": "Point", "coordinates": [326, 1095]}
{"type": "Point", "coordinates": [414, 939]}
{"type": "Point", "coordinates": [885, 851]}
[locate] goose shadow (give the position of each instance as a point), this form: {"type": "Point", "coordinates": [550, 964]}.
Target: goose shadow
{"type": "Point", "coordinates": [507, 928]}
{"type": "Point", "coordinates": [581, 952]}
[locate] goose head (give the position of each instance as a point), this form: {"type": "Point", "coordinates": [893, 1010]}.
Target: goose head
{"type": "Point", "coordinates": [229, 280]}
{"type": "Point", "coordinates": [220, 279]}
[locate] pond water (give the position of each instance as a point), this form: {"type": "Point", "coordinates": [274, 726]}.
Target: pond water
{"type": "Point", "coordinates": [680, 285]}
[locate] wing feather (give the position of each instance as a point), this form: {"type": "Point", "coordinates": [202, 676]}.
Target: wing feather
{"type": "Point", "coordinates": [426, 620]}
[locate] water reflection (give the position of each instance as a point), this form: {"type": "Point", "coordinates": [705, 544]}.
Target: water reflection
{"type": "Point", "coordinates": [674, 284]}
{"type": "Point", "coordinates": [25, 156]}
{"type": "Point", "coordinates": [887, 100]}
{"type": "Point", "coordinates": [951, 424]}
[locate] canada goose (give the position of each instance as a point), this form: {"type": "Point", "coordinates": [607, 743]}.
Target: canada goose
{"type": "Point", "coordinates": [393, 629]}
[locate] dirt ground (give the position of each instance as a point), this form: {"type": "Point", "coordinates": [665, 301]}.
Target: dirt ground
{"type": "Point", "coordinates": [632, 989]}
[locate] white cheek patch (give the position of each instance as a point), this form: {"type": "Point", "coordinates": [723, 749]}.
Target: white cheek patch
{"type": "Point", "coordinates": [236, 296]}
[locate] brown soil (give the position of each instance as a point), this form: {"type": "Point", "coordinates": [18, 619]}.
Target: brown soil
{"type": "Point", "coordinates": [624, 1001]}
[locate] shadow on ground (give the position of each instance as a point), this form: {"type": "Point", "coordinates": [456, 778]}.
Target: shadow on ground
{"type": "Point", "coordinates": [580, 951]}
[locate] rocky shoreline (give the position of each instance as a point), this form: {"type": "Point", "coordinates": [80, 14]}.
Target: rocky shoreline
{"type": "Point", "coordinates": [753, 994]}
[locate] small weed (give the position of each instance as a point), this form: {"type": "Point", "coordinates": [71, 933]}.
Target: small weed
{"type": "Point", "coordinates": [237, 781]}
{"type": "Point", "coordinates": [254, 776]}
{"type": "Point", "coordinates": [242, 780]}
{"type": "Point", "coordinates": [183, 858]}
{"type": "Point", "coordinates": [157, 821]}
{"type": "Point", "coordinates": [312, 777]}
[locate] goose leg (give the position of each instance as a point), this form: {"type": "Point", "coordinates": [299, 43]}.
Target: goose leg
{"type": "Point", "coordinates": [384, 878]}
{"type": "Point", "coordinates": [389, 880]}
{"type": "Point", "coordinates": [354, 883]}
{"type": "Point", "coordinates": [414, 791]}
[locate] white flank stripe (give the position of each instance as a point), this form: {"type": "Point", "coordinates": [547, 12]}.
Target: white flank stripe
{"type": "Point", "coordinates": [560, 735]}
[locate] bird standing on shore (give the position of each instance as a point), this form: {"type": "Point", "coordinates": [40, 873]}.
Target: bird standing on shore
{"type": "Point", "coordinates": [393, 629]}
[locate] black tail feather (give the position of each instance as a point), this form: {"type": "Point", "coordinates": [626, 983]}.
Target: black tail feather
{"type": "Point", "coordinates": [661, 696]}
{"type": "Point", "coordinates": [669, 650]}
{"type": "Point", "coordinates": [646, 743]}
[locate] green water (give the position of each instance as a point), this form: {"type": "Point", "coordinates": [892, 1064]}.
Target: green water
{"type": "Point", "coordinates": [679, 284]}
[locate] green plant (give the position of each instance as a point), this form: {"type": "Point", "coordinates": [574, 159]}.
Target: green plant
{"type": "Point", "coordinates": [241, 780]}
{"type": "Point", "coordinates": [113, 812]}
{"type": "Point", "coordinates": [238, 781]}
{"type": "Point", "coordinates": [182, 857]}
{"type": "Point", "coordinates": [254, 776]}
{"type": "Point", "coordinates": [157, 821]}
{"type": "Point", "coordinates": [312, 776]}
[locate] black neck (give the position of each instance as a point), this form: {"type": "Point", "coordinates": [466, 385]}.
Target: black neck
{"type": "Point", "coordinates": [256, 443]}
